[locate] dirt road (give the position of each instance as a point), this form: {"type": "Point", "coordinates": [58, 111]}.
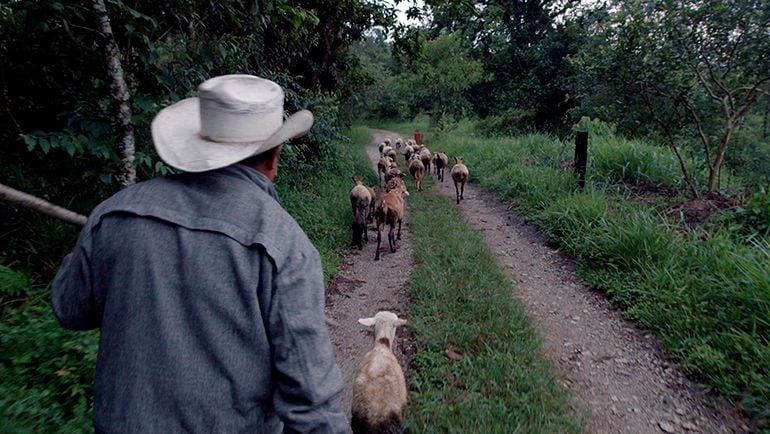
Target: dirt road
{"type": "Point", "coordinates": [620, 379]}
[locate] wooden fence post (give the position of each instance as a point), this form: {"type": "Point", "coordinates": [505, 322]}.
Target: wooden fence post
{"type": "Point", "coordinates": [581, 157]}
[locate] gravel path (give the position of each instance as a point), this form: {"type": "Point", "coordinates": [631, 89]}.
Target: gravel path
{"type": "Point", "coordinates": [619, 376]}
{"type": "Point", "coordinates": [364, 287]}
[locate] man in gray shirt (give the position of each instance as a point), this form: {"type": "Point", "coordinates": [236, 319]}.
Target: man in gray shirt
{"type": "Point", "coordinates": [208, 295]}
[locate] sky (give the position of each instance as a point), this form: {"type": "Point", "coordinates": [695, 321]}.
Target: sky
{"type": "Point", "coordinates": [402, 7]}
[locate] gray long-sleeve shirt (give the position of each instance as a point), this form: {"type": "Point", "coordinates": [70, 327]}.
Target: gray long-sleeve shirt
{"type": "Point", "coordinates": [210, 300]}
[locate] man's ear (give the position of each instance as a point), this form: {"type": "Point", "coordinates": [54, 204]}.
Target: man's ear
{"type": "Point", "coordinates": [273, 161]}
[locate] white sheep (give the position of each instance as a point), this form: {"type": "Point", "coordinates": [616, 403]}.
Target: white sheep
{"type": "Point", "coordinates": [379, 390]}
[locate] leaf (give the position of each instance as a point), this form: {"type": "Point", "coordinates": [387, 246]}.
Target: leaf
{"type": "Point", "coordinates": [453, 355]}
{"type": "Point", "coordinates": [106, 178]}
{"type": "Point", "coordinates": [45, 145]}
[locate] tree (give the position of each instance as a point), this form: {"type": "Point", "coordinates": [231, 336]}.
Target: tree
{"type": "Point", "coordinates": [443, 77]}
{"type": "Point", "coordinates": [697, 68]}
{"type": "Point", "coordinates": [522, 48]}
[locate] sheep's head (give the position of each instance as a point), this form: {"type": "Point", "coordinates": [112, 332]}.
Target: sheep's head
{"type": "Point", "coordinates": [385, 324]}
{"type": "Point", "coordinates": [358, 180]}
{"type": "Point", "coordinates": [459, 159]}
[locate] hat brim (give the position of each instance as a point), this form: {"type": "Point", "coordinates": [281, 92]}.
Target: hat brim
{"type": "Point", "coordinates": [175, 133]}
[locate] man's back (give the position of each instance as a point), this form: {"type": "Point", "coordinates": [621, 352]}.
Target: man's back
{"type": "Point", "coordinates": [207, 295]}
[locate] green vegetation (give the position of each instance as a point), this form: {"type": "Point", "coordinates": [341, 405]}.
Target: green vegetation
{"type": "Point", "coordinates": [706, 294]}
{"type": "Point", "coordinates": [47, 371]}
{"type": "Point", "coordinates": [496, 380]}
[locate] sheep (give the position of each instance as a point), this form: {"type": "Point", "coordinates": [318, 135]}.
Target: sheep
{"type": "Point", "coordinates": [433, 163]}
{"type": "Point", "coordinates": [442, 161]}
{"type": "Point", "coordinates": [425, 157]}
{"type": "Point", "coordinates": [392, 173]}
{"type": "Point", "coordinates": [381, 147]}
{"type": "Point", "coordinates": [373, 196]}
{"type": "Point", "coordinates": [417, 170]}
{"type": "Point", "coordinates": [382, 166]}
{"type": "Point", "coordinates": [387, 142]}
{"type": "Point", "coordinates": [408, 152]}
{"type": "Point", "coordinates": [385, 150]}
{"type": "Point", "coordinates": [395, 182]}
{"type": "Point", "coordinates": [379, 389]}
{"type": "Point", "coordinates": [392, 154]}
{"type": "Point", "coordinates": [460, 176]}
{"type": "Point", "coordinates": [390, 210]}
{"type": "Point", "coordinates": [399, 143]}
{"type": "Point", "coordinates": [360, 198]}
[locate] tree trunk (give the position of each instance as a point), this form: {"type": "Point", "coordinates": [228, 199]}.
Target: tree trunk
{"type": "Point", "coordinates": [16, 197]}
{"type": "Point", "coordinates": [120, 94]}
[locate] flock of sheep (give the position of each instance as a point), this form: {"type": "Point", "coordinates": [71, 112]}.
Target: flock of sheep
{"type": "Point", "coordinates": [379, 389]}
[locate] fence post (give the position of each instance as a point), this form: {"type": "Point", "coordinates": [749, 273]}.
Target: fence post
{"type": "Point", "coordinates": [581, 157]}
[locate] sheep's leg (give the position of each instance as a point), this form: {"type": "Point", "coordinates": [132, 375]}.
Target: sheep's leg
{"type": "Point", "coordinates": [392, 239]}
{"type": "Point", "coordinates": [457, 191]}
{"type": "Point", "coordinates": [462, 190]}
{"type": "Point", "coordinates": [399, 230]}
{"type": "Point", "coordinates": [379, 238]}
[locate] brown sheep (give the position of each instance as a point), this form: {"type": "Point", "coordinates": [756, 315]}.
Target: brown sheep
{"type": "Point", "coordinates": [373, 195]}
{"type": "Point", "coordinates": [460, 176]}
{"type": "Point", "coordinates": [379, 390]}
{"type": "Point", "coordinates": [360, 199]}
{"type": "Point", "coordinates": [390, 210]}
{"type": "Point", "coordinates": [425, 156]}
{"type": "Point", "coordinates": [417, 170]}
{"type": "Point", "coordinates": [395, 182]}
{"type": "Point", "coordinates": [392, 173]}
{"type": "Point", "coordinates": [382, 167]}
{"type": "Point", "coordinates": [442, 162]}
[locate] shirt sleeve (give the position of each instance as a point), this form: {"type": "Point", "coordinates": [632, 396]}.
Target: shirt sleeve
{"type": "Point", "coordinates": [309, 382]}
{"type": "Point", "coordinates": [72, 290]}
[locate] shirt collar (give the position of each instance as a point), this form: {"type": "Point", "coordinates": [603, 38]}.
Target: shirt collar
{"type": "Point", "coordinates": [253, 175]}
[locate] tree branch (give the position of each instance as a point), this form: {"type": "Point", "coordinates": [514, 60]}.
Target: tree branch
{"type": "Point", "coordinates": [672, 144]}
{"type": "Point", "coordinates": [16, 197]}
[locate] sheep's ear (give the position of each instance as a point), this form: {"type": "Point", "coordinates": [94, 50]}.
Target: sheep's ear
{"type": "Point", "coordinates": [366, 321]}
{"type": "Point", "coordinates": [399, 322]}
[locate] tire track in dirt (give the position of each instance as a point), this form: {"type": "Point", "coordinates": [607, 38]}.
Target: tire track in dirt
{"type": "Point", "coordinates": [364, 286]}
{"type": "Point", "coordinates": [619, 376]}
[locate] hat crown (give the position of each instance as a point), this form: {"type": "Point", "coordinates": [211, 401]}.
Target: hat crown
{"type": "Point", "coordinates": [239, 108]}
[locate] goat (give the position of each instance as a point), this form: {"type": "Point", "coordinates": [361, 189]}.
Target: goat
{"type": "Point", "coordinates": [379, 389]}
{"type": "Point", "coordinates": [460, 176]}
{"type": "Point", "coordinates": [390, 210]}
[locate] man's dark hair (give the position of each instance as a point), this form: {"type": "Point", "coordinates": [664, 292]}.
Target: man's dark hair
{"type": "Point", "coordinates": [256, 159]}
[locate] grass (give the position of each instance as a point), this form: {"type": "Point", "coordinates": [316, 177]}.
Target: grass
{"type": "Point", "coordinates": [706, 294]}
{"type": "Point", "coordinates": [462, 302]}
{"type": "Point", "coordinates": [47, 371]}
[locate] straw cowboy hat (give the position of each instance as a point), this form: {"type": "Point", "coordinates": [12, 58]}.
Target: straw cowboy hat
{"type": "Point", "coordinates": [233, 118]}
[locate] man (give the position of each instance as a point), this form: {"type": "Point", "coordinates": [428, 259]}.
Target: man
{"type": "Point", "coordinates": [208, 295]}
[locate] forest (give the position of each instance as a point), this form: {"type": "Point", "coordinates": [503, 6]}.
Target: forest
{"type": "Point", "coordinates": [673, 223]}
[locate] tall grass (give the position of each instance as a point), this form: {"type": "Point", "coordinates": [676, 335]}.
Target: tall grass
{"type": "Point", "coordinates": [462, 302]}
{"type": "Point", "coordinates": [46, 372]}
{"type": "Point", "coordinates": [706, 295]}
